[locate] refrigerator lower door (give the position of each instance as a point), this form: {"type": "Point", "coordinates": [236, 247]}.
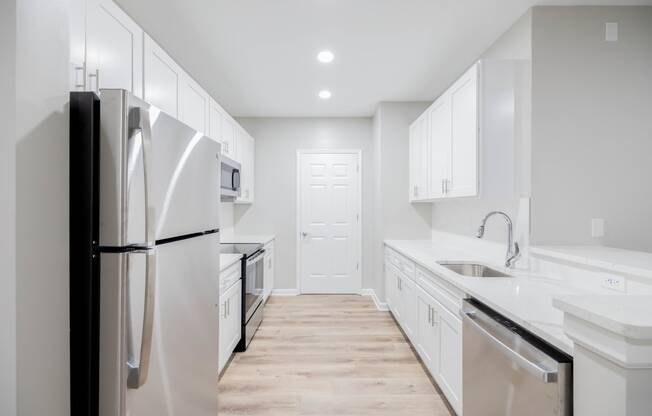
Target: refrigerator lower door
{"type": "Point", "coordinates": [181, 361]}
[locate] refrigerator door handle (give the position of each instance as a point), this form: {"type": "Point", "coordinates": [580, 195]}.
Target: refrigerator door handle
{"type": "Point", "coordinates": [139, 121]}
{"type": "Point", "coordinates": [137, 371]}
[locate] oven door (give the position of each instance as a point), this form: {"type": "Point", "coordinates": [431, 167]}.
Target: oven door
{"type": "Point", "coordinates": [253, 289]}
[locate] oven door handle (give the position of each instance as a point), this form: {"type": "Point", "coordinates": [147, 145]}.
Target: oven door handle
{"type": "Point", "coordinates": [255, 258]}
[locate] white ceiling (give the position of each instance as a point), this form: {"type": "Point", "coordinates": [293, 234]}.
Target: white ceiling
{"type": "Point", "coordinates": [258, 57]}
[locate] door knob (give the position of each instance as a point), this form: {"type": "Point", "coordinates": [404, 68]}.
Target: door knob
{"type": "Point", "coordinates": [304, 234]}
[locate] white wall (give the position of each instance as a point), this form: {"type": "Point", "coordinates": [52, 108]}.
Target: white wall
{"type": "Point", "coordinates": [463, 216]}
{"type": "Point", "coordinates": [226, 219]}
{"type": "Point", "coordinates": [7, 208]}
{"type": "Point", "coordinates": [395, 216]}
{"type": "Point", "coordinates": [42, 207]}
{"type": "Point", "coordinates": [274, 210]}
{"type": "Point", "coordinates": [592, 126]}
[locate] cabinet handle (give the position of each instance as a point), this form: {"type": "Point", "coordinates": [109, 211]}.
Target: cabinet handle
{"type": "Point", "coordinates": [446, 185]}
{"type": "Point", "coordinates": [96, 75]}
{"type": "Point", "coordinates": [224, 311]}
{"type": "Point", "coordinates": [81, 84]}
{"type": "Point", "coordinates": [443, 192]}
{"type": "Point", "coordinates": [429, 314]}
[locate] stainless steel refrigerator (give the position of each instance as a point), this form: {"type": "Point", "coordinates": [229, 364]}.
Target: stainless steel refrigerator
{"type": "Point", "coordinates": [144, 260]}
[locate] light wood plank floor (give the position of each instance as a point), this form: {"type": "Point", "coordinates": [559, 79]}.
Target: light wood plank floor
{"type": "Point", "coordinates": [328, 355]}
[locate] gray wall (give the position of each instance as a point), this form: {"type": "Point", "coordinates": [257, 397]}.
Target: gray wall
{"type": "Point", "coordinates": [462, 216]}
{"type": "Point", "coordinates": [592, 126]}
{"type": "Point", "coordinates": [42, 207]}
{"type": "Point", "coordinates": [274, 209]}
{"type": "Point", "coordinates": [395, 216]}
{"type": "Point", "coordinates": [7, 208]}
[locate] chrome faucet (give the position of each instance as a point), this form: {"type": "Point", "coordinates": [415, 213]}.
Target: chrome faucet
{"type": "Point", "coordinates": [513, 251]}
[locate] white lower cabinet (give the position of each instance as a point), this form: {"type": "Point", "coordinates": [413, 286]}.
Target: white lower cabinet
{"type": "Point", "coordinates": [450, 356]}
{"type": "Point", "coordinates": [435, 330]}
{"type": "Point", "coordinates": [427, 343]}
{"type": "Point", "coordinates": [268, 272]}
{"type": "Point", "coordinates": [230, 320]}
{"type": "Point", "coordinates": [408, 294]}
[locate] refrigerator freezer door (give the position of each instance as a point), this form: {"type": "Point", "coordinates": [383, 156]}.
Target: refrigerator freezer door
{"type": "Point", "coordinates": [159, 178]}
{"type": "Point", "coordinates": [183, 360]}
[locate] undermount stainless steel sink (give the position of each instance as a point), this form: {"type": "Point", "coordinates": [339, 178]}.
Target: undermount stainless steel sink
{"type": "Point", "coordinates": [472, 269]}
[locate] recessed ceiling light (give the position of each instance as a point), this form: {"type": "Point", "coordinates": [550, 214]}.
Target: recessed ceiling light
{"type": "Point", "coordinates": [325, 56]}
{"type": "Point", "coordinates": [324, 94]}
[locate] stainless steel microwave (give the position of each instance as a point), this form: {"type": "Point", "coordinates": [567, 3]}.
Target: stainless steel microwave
{"type": "Point", "coordinates": [230, 182]}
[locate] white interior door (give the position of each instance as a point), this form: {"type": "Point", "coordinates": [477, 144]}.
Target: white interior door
{"type": "Point", "coordinates": [329, 222]}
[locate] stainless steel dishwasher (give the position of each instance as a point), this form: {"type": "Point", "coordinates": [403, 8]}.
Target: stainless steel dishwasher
{"type": "Point", "coordinates": [507, 371]}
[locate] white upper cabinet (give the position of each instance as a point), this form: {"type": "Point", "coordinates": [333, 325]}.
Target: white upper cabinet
{"type": "Point", "coordinates": [419, 145]}
{"type": "Point", "coordinates": [109, 50]}
{"type": "Point", "coordinates": [440, 145]}
{"type": "Point", "coordinates": [229, 137]}
{"type": "Point", "coordinates": [215, 121]}
{"type": "Point", "coordinates": [463, 177]}
{"type": "Point", "coordinates": [114, 49]}
{"type": "Point", "coordinates": [245, 153]}
{"type": "Point", "coordinates": [163, 79]}
{"type": "Point", "coordinates": [451, 142]}
{"type": "Point", "coordinates": [194, 107]}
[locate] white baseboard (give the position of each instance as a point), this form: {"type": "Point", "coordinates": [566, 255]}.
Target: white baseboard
{"type": "Point", "coordinates": [381, 306]}
{"type": "Point", "coordinates": [285, 292]}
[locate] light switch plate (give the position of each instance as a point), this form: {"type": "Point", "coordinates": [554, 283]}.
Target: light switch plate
{"type": "Point", "coordinates": [611, 32]}
{"type": "Point", "coordinates": [597, 227]}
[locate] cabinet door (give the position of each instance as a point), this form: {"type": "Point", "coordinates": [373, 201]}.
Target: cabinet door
{"type": "Point", "coordinates": [194, 104]}
{"type": "Point", "coordinates": [427, 328]}
{"type": "Point", "coordinates": [114, 49]}
{"type": "Point", "coordinates": [450, 362]}
{"type": "Point", "coordinates": [251, 147]}
{"type": "Point", "coordinates": [234, 316]}
{"type": "Point", "coordinates": [268, 274]}
{"type": "Point", "coordinates": [215, 122]}
{"type": "Point", "coordinates": [224, 332]}
{"type": "Point", "coordinates": [440, 145]}
{"type": "Point", "coordinates": [408, 298]}
{"type": "Point", "coordinates": [389, 288]}
{"type": "Point", "coordinates": [228, 137]}
{"type": "Point", "coordinates": [245, 154]}
{"type": "Point", "coordinates": [162, 79]}
{"type": "Point", "coordinates": [419, 161]}
{"type": "Point", "coordinates": [397, 299]}
{"type": "Point", "coordinates": [464, 141]}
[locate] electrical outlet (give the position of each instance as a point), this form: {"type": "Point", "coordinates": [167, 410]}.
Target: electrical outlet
{"type": "Point", "coordinates": [597, 227]}
{"type": "Point", "coordinates": [611, 32]}
{"type": "Point", "coordinates": [616, 283]}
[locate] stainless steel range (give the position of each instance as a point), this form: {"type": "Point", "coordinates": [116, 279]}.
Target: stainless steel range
{"type": "Point", "coordinates": [252, 288]}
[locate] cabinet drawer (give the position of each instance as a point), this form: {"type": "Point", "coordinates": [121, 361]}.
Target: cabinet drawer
{"type": "Point", "coordinates": [448, 296]}
{"type": "Point", "coordinates": [403, 264]}
{"type": "Point", "coordinates": [229, 276]}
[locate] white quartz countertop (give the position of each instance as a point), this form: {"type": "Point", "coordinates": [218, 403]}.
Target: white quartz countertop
{"type": "Point", "coordinates": [248, 238]}
{"type": "Point", "coordinates": [526, 298]}
{"type": "Point", "coordinates": [626, 315]}
{"type": "Point", "coordinates": [227, 260]}
{"type": "Point", "coordinates": [617, 260]}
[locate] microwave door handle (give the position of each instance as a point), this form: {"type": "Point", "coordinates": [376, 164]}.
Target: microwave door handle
{"type": "Point", "coordinates": [137, 371]}
{"type": "Point", "coordinates": [139, 121]}
{"type": "Point", "coordinates": [236, 179]}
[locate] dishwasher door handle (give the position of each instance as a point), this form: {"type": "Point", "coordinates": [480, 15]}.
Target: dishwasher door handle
{"type": "Point", "coordinates": [543, 374]}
